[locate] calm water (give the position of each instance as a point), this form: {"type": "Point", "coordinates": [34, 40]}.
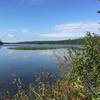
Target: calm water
{"type": "Point", "coordinates": [24, 63]}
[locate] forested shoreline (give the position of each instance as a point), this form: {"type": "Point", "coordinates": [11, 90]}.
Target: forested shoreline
{"type": "Point", "coordinates": [79, 41]}
{"type": "Point", "coordinates": [69, 41]}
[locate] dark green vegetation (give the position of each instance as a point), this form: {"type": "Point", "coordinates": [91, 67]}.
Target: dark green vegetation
{"type": "Point", "coordinates": [81, 83]}
{"type": "Point", "coordinates": [86, 68]}
{"type": "Point", "coordinates": [70, 41]}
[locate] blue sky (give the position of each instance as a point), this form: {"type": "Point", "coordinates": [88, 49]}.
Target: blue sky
{"type": "Point", "coordinates": [23, 20]}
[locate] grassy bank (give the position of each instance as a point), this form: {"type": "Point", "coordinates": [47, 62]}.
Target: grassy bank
{"type": "Point", "coordinates": [38, 47]}
{"type": "Point", "coordinates": [43, 47]}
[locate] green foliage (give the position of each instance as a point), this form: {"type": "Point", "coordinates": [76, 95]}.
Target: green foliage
{"type": "Point", "coordinates": [87, 67]}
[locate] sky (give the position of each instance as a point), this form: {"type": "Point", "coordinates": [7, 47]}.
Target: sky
{"type": "Point", "coordinates": [30, 20]}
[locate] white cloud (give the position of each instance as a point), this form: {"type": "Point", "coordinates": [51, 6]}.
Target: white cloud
{"type": "Point", "coordinates": [59, 35]}
{"type": "Point", "coordinates": [25, 31]}
{"type": "Point", "coordinates": [18, 31]}
{"type": "Point", "coordinates": [10, 35]}
{"type": "Point", "coordinates": [12, 30]}
{"type": "Point", "coordinates": [61, 31]}
{"type": "Point", "coordinates": [71, 30]}
{"type": "Point", "coordinates": [79, 27]}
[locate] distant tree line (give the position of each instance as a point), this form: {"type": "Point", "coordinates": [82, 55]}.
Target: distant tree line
{"type": "Point", "coordinates": [79, 41]}
{"type": "Point", "coordinates": [70, 41]}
